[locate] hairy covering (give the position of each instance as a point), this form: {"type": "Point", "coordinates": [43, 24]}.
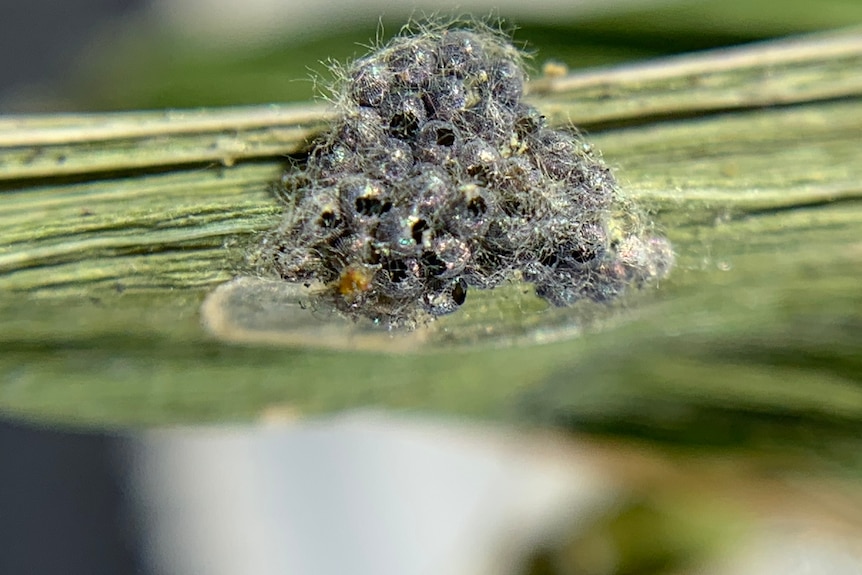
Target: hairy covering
{"type": "Point", "coordinates": [437, 178]}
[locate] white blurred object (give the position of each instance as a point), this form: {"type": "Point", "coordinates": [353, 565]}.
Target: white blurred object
{"type": "Point", "coordinates": [379, 493]}
{"type": "Point", "coordinates": [363, 493]}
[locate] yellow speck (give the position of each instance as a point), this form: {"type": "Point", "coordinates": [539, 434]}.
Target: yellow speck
{"type": "Point", "coordinates": [354, 280]}
{"type": "Point", "coordinates": [554, 69]}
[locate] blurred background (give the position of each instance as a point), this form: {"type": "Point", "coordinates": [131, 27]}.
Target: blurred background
{"type": "Point", "coordinates": [260, 500]}
{"type": "Point", "coordinates": [98, 55]}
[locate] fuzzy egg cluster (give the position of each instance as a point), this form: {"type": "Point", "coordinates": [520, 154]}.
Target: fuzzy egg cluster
{"type": "Point", "coordinates": [438, 178]}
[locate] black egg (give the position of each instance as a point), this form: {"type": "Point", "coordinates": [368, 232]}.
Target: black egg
{"type": "Point", "coordinates": [412, 62]}
{"type": "Point", "coordinates": [405, 116]}
{"type": "Point", "coordinates": [460, 53]}
{"type": "Point", "coordinates": [361, 130]}
{"type": "Point", "coordinates": [445, 97]}
{"type": "Point", "coordinates": [507, 82]}
{"type": "Point", "coordinates": [390, 162]}
{"type": "Point", "coordinates": [370, 82]}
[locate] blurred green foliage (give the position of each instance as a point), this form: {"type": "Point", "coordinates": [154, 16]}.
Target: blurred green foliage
{"type": "Point", "coordinates": [152, 69]}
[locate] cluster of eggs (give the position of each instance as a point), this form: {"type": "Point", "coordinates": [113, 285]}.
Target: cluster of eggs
{"type": "Point", "coordinates": [437, 177]}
